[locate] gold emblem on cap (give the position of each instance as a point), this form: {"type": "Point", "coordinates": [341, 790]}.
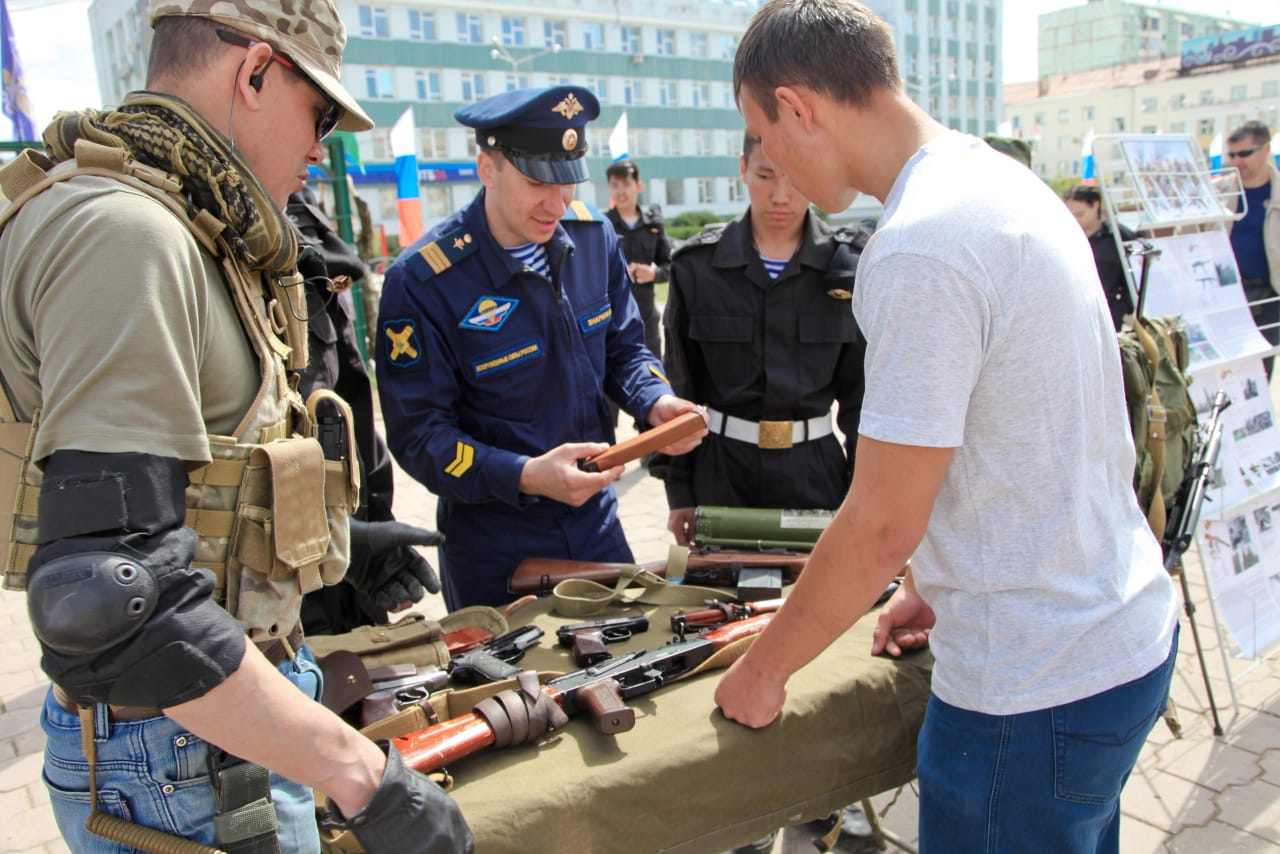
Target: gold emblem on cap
{"type": "Point", "coordinates": [570, 139]}
{"type": "Point", "coordinates": [569, 107]}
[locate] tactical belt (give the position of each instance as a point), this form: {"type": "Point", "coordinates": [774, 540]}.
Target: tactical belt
{"type": "Point", "coordinates": [275, 652]}
{"type": "Point", "coordinates": [770, 435]}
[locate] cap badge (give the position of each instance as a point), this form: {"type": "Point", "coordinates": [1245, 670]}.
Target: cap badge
{"type": "Point", "coordinates": [569, 107]}
{"type": "Point", "coordinates": [570, 140]}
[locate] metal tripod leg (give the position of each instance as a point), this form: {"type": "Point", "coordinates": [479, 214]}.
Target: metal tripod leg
{"type": "Point", "coordinates": [1190, 608]}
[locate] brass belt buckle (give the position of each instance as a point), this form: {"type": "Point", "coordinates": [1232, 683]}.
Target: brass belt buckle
{"type": "Point", "coordinates": [775, 435]}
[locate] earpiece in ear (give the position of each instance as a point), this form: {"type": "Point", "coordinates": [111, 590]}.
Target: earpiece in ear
{"type": "Point", "coordinates": [255, 80]}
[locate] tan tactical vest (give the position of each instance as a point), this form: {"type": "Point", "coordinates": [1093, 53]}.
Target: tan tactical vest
{"type": "Point", "coordinates": [270, 512]}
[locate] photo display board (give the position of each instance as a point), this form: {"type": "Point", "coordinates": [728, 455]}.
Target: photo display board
{"type": "Point", "coordinates": [1161, 186]}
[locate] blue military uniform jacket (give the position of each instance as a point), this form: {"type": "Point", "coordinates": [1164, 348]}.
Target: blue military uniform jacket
{"type": "Point", "coordinates": [483, 364]}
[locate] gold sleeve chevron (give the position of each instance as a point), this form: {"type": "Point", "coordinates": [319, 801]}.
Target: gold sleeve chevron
{"type": "Point", "coordinates": [462, 460]}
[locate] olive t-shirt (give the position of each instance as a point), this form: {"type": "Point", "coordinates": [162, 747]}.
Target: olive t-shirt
{"type": "Point", "coordinates": [118, 326]}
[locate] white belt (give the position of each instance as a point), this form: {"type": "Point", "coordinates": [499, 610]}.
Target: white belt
{"type": "Point", "coordinates": [768, 434]}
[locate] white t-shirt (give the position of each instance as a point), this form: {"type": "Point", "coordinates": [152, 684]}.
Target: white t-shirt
{"type": "Point", "coordinates": [988, 333]}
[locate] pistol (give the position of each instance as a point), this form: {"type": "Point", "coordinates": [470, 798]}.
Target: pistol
{"type": "Point", "coordinates": [495, 660]}
{"type": "Point", "coordinates": [588, 639]}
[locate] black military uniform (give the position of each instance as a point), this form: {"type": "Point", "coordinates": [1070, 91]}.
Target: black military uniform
{"type": "Point", "coordinates": [646, 243]}
{"type": "Point", "coordinates": [768, 358]}
{"type": "Point", "coordinates": [1106, 256]}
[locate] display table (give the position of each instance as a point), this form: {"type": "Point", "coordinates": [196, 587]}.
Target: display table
{"type": "Point", "coordinates": [687, 779]}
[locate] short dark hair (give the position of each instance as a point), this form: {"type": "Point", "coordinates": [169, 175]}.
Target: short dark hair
{"type": "Point", "coordinates": [837, 47]}
{"type": "Point", "coordinates": [1087, 193]}
{"type": "Point", "coordinates": [1254, 130]}
{"type": "Point", "coordinates": [623, 169]}
{"type": "Point", "coordinates": [182, 44]}
{"type": "Point", "coordinates": [749, 144]}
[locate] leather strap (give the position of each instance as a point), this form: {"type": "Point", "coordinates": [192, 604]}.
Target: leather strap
{"type": "Point", "coordinates": [279, 649]}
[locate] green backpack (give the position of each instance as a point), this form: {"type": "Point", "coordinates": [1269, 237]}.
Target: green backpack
{"type": "Point", "coordinates": [1162, 415]}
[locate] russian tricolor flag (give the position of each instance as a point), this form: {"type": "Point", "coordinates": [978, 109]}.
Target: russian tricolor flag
{"type": "Point", "coordinates": [403, 148]}
{"type": "Point", "coordinates": [1086, 157]}
{"type": "Point", "coordinates": [1215, 151]}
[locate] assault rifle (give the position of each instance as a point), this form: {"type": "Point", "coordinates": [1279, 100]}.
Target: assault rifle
{"type": "Point", "coordinates": [717, 613]}
{"type": "Point", "coordinates": [520, 716]}
{"type": "Point", "coordinates": [1183, 515]}
{"type": "Point", "coordinates": [495, 660]}
{"type": "Point", "coordinates": [711, 565]}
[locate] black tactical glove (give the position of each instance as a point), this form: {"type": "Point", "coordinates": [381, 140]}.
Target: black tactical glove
{"type": "Point", "coordinates": [409, 814]}
{"type": "Point", "coordinates": [386, 567]}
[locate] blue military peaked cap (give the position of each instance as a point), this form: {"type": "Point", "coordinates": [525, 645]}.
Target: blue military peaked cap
{"type": "Point", "coordinates": [539, 130]}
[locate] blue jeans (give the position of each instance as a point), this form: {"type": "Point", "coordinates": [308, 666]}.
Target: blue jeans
{"type": "Point", "coordinates": [154, 773]}
{"type": "Point", "coordinates": [1047, 780]}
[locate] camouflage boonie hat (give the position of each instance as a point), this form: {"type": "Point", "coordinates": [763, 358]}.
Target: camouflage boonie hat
{"type": "Point", "coordinates": [1018, 149]}
{"type": "Point", "coordinates": [309, 32]}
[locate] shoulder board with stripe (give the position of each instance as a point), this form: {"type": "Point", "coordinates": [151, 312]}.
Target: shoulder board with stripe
{"type": "Point", "coordinates": [580, 211]}
{"type": "Point", "coordinates": [445, 251]}
{"type": "Point", "coordinates": [709, 236]}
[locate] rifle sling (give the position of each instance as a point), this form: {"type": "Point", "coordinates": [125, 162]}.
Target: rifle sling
{"type": "Point", "coordinates": [578, 597]}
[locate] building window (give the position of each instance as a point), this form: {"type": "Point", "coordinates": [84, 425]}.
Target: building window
{"type": "Point", "coordinates": [735, 192]}
{"type": "Point", "coordinates": [1150, 129]}
{"type": "Point", "coordinates": [671, 143]}
{"type": "Point", "coordinates": [433, 144]}
{"type": "Point", "coordinates": [665, 43]}
{"type": "Point", "coordinates": [702, 143]}
{"type": "Point", "coordinates": [675, 191]}
{"type": "Point", "coordinates": [469, 31]}
{"type": "Point", "coordinates": [698, 45]}
{"type": "Point", "coordinates": [701, 94]}
{"type": "Point", "coordinates": [379, 83]}
{"type": "Point", "coordinates": [1086, 113]}
{"type": "Point", "coordinates": [1270, 88]}
{"type": "Point", "coordinates": [517, 81]}
{"type": "Point", "coordinates": [593, 36]}
{"type": "Point", "coordinates": [1064, 116]}
{"type": "Point", "coordinates": [373, 22]}
{"type": "Point", "coordinates": [1117, 124]}
{"type": "Point", "coordinates": [436, 197]}
{"type": "Point", "coordinates": [1239, 93]}
{"type": "Point", "coordinates": [667, 93]}
{"type": "Point", "coordinates": [379, 145]}
{"type": "Point", "coordinates": [553, 33]}
{"type": "Point", "coordinates": [633, 91]}
{"type": "Point", "coordinates": [597, 86]}
{"type": "Point", "coordinates": [427, 85]}
{"type": "Point", "coordinates": [422, 25]}
{"type": "Point", "coordinates": [473, 88]}
{"type": "Point", "coordinates": [1177, 127]}
{"type": "Point", "coordinates": [630, 40]}
{"type": "Point", "coordinates": [513, 32]}
{"type": "Point", "coordinates": [728, 46]}
{"type": "Point", "coordinates": [1206, 96]}
{"type": "Point", "coordinates": [1177, 102]}
{"type": "Point", "coordinates": [1149, 105]}
{"type": "Point", "coordinates": [706, 191]}
{"type": "Point", "coordinates": [1205, 127]}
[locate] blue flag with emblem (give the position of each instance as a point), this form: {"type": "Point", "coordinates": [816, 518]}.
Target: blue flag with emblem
{"type": "Point", "coordinates": [16, 105]}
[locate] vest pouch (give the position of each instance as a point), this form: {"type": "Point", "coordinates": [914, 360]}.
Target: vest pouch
{"type": "Point", "coordinates": [281, 533]}
{"type": "Point", "coordinates": [19, 499]}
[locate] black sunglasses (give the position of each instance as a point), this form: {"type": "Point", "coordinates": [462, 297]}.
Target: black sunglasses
{"type": "Point", "coordinates": [1244, 152]}
{"type": "Point", "coordinates": [328, 118]}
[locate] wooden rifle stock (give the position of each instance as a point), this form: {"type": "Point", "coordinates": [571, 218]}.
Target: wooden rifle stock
{"type": "Point", "coordinates": [722, 612]}
{"type": "Point", "coordinates": [627, 676]}
{"type": "Point", "coordinates": [647, 442]}
{"type": "Point", "coordinates": [538, 575]}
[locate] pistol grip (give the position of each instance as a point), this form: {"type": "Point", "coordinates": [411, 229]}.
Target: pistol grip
{"type": "Point", "coordinates": [603, 701]}
{"type": "Point", "coordinates": [588, 647]}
